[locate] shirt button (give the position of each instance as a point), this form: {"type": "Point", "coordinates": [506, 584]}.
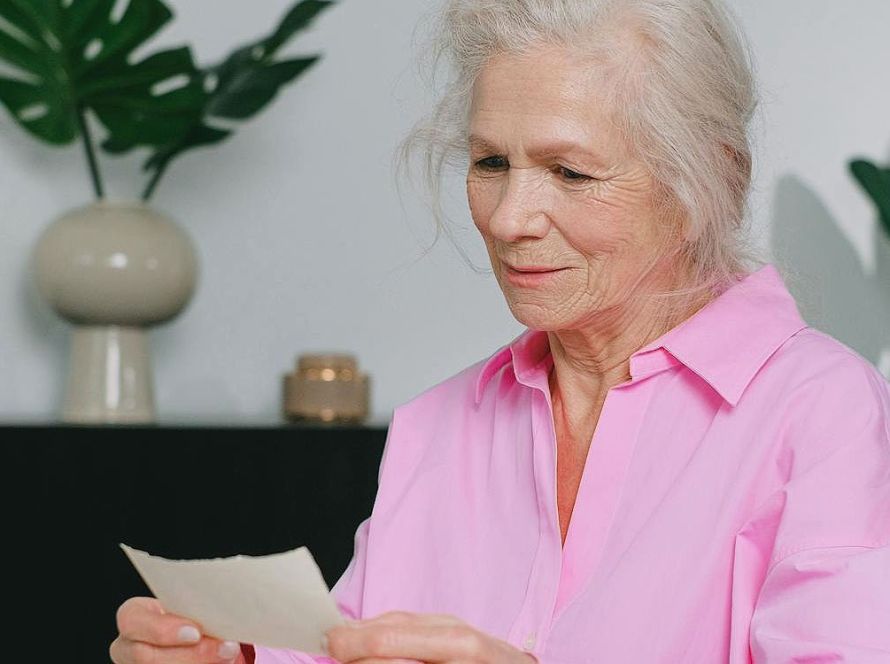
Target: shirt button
{"type": "Point", "coordinates": [529, 642]}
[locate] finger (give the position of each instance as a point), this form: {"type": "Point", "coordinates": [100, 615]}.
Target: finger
{"type": "Point", "coordinates": [206, 651]}
{"type": "Point", "coordinates": [407, 618]}
{"type": "Point", "coordinates": [144, 619]}
{"type": "Point", "coordinates": [413, 639]}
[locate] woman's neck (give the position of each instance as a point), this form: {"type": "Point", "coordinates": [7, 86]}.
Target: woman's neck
{"type": "Point", "coordinates": [589, 361]}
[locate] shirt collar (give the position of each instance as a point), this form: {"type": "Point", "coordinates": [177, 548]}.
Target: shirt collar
{"type": "Point", "coordinates": [528, 355]}
{"type": "Point", "coordinates": [731, 338]}
{"type": "Point", "coordinates": [725, 343]}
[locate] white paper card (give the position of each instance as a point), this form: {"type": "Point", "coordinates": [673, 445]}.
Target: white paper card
{"type": "Point", "coordinates": [278, 601]}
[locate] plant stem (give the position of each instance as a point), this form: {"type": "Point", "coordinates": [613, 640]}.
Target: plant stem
{"type": "Point", "coordinates": [150, 188]}
{"type": "Point", "coordinates": [91, 155]}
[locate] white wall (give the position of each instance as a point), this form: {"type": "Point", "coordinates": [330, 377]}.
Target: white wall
{"type": "Point", "coordinates": [306, 245]}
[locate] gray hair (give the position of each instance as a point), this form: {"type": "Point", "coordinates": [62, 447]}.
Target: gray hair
{"type": "Point", "coordinates": [683, 101]}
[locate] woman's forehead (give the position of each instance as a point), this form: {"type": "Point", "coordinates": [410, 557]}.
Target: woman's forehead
{"type": "Point", "coordinates": [552, 76]}
{"type": "Point", "coordinates": [549, 98]}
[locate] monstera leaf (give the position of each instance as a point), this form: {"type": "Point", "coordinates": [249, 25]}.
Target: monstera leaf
{"type": "Point", "coordinates": [241, 86]}
{"type": "Point", "coordinates": [876, 183]}
{"type": "Point", "coordinates": [71, 55]}
{"type": "Point", "coordinates": [62, 58]}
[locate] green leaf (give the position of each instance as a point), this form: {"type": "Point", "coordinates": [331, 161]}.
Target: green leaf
{"type": "Point", "coordinates": [82, 14]}
{"type": "Point", "coordinates": [22, 53]}
{"type": "Point", "coordinates": [198, 136]}
{"type": "Point", "coordinates": [298, 18]}
{"type": "Point", "coordinates": [129, 129]}
{"type": "Point", "coordinates": [27, 104]}
{"type": "Point", "coordinates": [22, 17]}
{"type": "Point", "coordinates": [876, 183]}
{"type": "Point", "coordinates": [75, 57]}
{"type": "Point", "coordinates": [141, 77]}
{"type": "Point", "coordinates": [26, 43]}
{"type": "Point", "coordinates": [251, 88]}
{"type": "Point", "coordinates": [141, 21]}
{"type": "Point", "coordinates": [69, 57]}
{"type": "Point", "coordinates": [244, 83]}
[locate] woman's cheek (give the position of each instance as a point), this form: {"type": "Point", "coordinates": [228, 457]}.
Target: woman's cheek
{"type": "Point", "coordinates": [482, 200]}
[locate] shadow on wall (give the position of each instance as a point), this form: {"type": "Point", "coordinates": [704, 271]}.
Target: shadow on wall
{"type": "Point", "coordinates": [825, 274]}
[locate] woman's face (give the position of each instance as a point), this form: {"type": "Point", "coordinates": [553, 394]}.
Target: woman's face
{"type": "Point", "coordinates": [566, 212]}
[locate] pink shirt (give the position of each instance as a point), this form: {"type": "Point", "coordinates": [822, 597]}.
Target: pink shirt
{"type": "Point", "coordinates": [734, 507]}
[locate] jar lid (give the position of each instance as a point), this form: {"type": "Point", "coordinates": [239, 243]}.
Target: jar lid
{"type": "Point", "coordinates": [335, 361]}
{"type": "Point", "coordinates": [328, 367]}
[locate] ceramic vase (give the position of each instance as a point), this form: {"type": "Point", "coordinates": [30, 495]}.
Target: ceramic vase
{"type": "Point", "coordinates": [114, 271]}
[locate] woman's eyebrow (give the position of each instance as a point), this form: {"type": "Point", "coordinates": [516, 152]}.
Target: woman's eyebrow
{"type": "Point", "coordinates": [479, 144]}
{"type": "Point", "coordinates": [549, 150]}
{"type": "Point", "coordinates": [561, 148]}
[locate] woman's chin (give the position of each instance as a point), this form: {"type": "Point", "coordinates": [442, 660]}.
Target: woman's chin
{"type": "Point", "coordinates": [538, 318]}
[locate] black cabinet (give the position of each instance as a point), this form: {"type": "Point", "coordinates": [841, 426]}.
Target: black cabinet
{"type": "Point", "coordinates": [71, 494]}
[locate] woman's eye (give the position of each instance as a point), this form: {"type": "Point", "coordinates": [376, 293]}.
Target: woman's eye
{"type": "Point", "coordinates": [575, 176]}
{"type": "Point", "coordinates": [491, 163]}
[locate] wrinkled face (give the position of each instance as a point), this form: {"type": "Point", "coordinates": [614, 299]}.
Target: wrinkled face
{"type": "Point", "coordinates": [566, 212]}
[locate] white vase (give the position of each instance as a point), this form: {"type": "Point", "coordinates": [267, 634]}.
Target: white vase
{"type": "Point", "coordinates": [113, 270]}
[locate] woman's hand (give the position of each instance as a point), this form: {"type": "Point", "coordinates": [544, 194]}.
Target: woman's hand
{"type": "Point", "coordinates": [425, 638]}
{"type": "Point", "coordinates": [148, 635]}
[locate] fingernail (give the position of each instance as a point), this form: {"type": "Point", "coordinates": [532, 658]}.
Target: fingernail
{"type": "Point", "coordinates": [228, 650]}
{"type": "Point", "coordinates": [188, 634]}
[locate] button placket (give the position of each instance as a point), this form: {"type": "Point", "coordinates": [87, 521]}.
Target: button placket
{"type": "Point", "coordinates": [532, 623]}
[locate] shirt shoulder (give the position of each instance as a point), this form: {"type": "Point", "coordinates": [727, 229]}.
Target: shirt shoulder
{"type": "Point", "coordinates": [443, 426]}
{"type": "Point", "coordinates": [437, 410]}
{"type": "Point", "coordinates": [825, 410]}
{"type": "Point", "coordinates": [826, 396]}
{"type": "Point", "coordinates": [815, 361]}
{"type": "Point", "coordinates": [472, 390]}
{"type": "Point", "coordinates": [455, 392]}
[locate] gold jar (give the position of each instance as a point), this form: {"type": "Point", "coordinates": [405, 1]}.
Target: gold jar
{"type": "Point", "coordinates": [326, 388]}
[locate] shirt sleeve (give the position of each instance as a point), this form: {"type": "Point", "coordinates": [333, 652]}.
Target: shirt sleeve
{"type": "Point", "coordinates": [825, 596]}
{"type": "Point", "coordinates": [825, 605]}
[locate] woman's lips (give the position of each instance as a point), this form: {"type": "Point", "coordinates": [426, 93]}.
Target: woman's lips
{"type": "Point", "coordinates": [531, 276]}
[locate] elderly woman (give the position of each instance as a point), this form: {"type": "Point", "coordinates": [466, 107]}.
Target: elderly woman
{"type": "Point", "coordinates": [669, 465]}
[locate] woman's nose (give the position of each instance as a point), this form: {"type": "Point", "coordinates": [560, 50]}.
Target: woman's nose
{"type": "Point", "coordinates": [520, 212]}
